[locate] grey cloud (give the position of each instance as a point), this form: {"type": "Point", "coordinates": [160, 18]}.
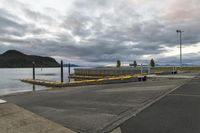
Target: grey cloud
{"type": "Point", "coordinates": [9, 24]}
{"type": "Point", "coordinates": [190, 59]}
{"type": "Point", "coordinates": [38, 17]}
{"type": "Point", "coordinates": [109, 30]}
{"type": "Point", "coordinates": [11, 27]}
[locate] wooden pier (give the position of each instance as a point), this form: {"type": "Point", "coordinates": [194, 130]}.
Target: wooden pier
{"type": "Point", "coordinates": [109, 71]}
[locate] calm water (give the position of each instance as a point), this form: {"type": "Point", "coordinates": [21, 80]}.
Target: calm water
{"type": "Point", "coordinates": [10, 83]}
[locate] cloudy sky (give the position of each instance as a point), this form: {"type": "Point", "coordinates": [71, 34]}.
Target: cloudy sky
{"type": "Point", "coordinates": [102, 31]}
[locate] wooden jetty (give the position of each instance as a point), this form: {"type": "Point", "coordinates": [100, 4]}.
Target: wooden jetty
{"type": "Point", "coordinates": [108, 71]}
{"type": "Point", "coordinates": [105, 72]}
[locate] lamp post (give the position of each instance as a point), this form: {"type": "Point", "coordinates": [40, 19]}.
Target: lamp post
{"type": "Point", "coordinates": [180, 32]}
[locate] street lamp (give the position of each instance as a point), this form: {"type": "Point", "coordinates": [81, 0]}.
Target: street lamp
{"type": "Point", "coordinates": [180, 31]}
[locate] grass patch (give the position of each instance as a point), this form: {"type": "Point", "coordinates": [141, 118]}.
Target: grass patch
{"type": "Point", "coordinates": [189, 68]}
{"type": "Point", "coordinates": [194, 68]}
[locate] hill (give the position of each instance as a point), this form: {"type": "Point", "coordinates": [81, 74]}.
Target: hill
{"type": "Point", "coordinates": [71, 65]}
{"type": "Point", "coordinates": [16, 59]}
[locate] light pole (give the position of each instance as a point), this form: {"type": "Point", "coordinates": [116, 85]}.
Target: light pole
{"type": "Point", "coordinates": [180, 31]}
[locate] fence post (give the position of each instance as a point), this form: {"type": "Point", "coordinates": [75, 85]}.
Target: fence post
{"type": "Point", "coordinates": [61, 67]}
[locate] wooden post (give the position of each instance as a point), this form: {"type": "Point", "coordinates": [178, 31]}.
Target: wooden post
{"type": "Point", "coordinates": [33, 87]}
{"type": "Point", "coordinates": [33, 74]}
{"type": "Point", "coordinates": [61, 66]}
{"type": "Point", "coordinates": [141, 69]}
{"type": "Point", "coordinates": [33, 70]}
{"type": "Point", "coordinates": [69, 71]}
{"type": "Point", "coordinates": [149, 69]}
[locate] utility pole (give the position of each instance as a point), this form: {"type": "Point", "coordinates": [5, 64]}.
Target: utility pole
{"type": "Point", "coordinates": [180, 32]}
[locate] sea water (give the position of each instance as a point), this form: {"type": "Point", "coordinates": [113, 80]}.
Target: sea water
{"type": "Point", "coordinates": [10, 78]}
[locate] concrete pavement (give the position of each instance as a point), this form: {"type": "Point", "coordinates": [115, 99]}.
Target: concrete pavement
{"type": "Point", "coordinates": [14, 119]}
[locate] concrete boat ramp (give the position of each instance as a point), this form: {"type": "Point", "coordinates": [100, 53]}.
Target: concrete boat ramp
{"type": "Point", "coordinates": [82, 109]}
{"type": "Point", "coordinates": [14, 119]}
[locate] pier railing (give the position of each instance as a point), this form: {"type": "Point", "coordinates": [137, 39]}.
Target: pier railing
{"type": "Point", "coordinates": [108, 71]}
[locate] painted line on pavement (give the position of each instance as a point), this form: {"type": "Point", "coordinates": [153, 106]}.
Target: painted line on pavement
{"type": "Point", "coordinates": [117, 130]}
{"type": "Point", "coordinates": [2, 101]}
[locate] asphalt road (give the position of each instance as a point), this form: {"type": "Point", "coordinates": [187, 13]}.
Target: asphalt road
{"type": "Point", "coordinates": [178, 112]}
{"type": "Point", "coordinates": [90, 109]}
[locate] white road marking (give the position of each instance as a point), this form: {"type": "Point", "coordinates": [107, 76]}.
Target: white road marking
{"type": "Point", "coordinates": [117, 130]}
{"type": "Point", "coordinates": [185, 95]}
{"type": "Point", "coordinates": [171, 76]}
{"type": "Point", "coordinates": [2, 101]}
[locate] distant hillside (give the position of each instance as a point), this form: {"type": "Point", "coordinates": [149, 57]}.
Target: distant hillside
{"type": "Point", "coordinates": [71, 65]}
{"type": "Point", "coordinates": [16, 59]}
